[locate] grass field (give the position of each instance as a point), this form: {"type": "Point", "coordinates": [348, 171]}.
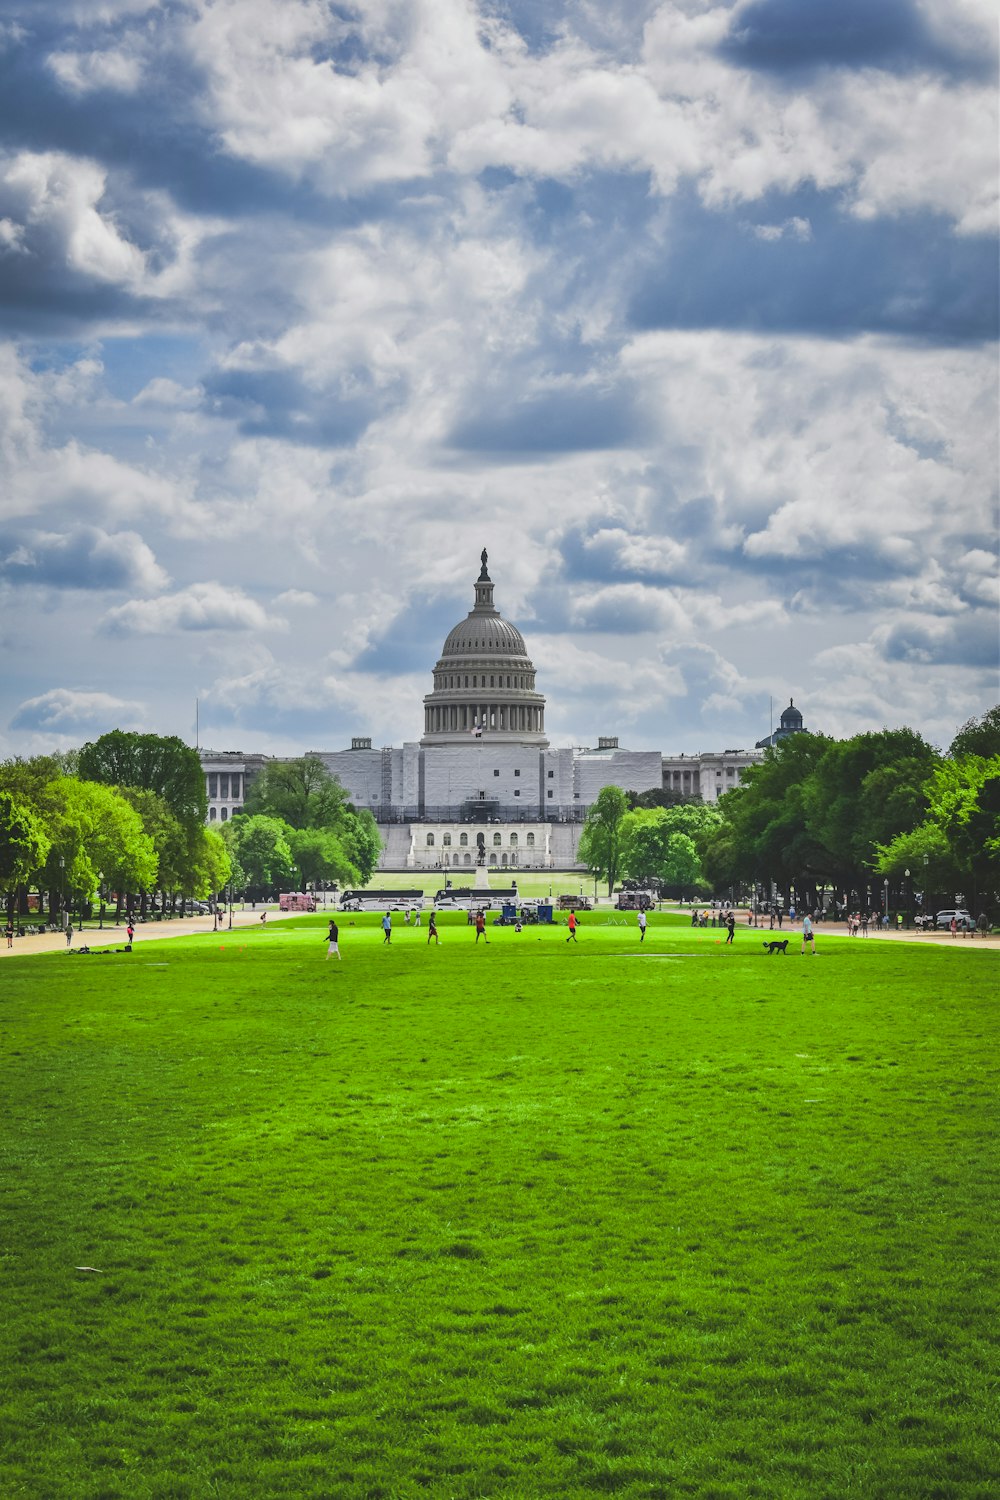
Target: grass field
{"type": "Point", "coordinates": [531, 1220]}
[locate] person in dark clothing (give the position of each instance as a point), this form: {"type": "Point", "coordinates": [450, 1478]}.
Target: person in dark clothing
{"type": "Point", "coordinates": [731, 924]}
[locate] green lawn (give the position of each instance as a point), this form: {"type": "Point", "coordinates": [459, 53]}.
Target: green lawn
{"type": "Point", "coordinates": [531, 1220]}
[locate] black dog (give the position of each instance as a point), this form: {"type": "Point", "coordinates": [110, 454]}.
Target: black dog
{"type": "Point", "coordinates": [781, 947]}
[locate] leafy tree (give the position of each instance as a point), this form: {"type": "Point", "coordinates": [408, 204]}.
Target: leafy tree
{"type": "Point", "coordinates": [964, 798]}
{"type": "Point", "coordinates": [763, 835]}
{"type": "Point", "coordinates": [978, 736]}
{"type": "Point", "coordinates": [863, 791]}
{"type": "Point", "coordinates": [259, 847]}
{"type": "Point", "coordinates": [211, 865]}
{"type": "Point", "coordinates": [153, 763]}
{"type": "Point", "coordinates": [600, 846]}
{"type": "Point", "coordinates": [681, 866]}
{"type": "Point", "coordinates": [320, 855]}
{"type": "Point", "coordinates": [94, 831]}
{"type": "Point", "coordinates": [301, 792]}
{"type": "Point", "coordinates": [362, 842]}
{"type": "Point", "coordinates": [24, 845]}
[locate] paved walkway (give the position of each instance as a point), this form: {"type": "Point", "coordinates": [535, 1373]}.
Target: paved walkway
{"type": "Point", "coordinates": [112, 936]}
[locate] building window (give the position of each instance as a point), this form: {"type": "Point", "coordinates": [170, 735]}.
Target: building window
{"type": "Point", "coordinates": [463, 840]}
{"type": "Point", "coordinates": [467, 679]}
{"type": "Point", "coordinates": [496, 773]}
{"type": "Point", "coordinates": [517, 793]}
{"type": "Point", "coordinates": [237, 810]}
{"type": "Point", "coordinates": [446, 841]}
{"type": "Point", "coordinates": [531, 841]}
{"type": "Point", "coordinates": [211, 814]}
{"type": "Point", "coordinates": [474, 680]}
{"type": "Point", "coordinates": [497, 840]}
{"type": "Point", "coordinates": [549, 792]}
{"type": "Point", "coordinates": [430, 841]}
{"type": "Point", "coordinates": [513, 837]}
{"type": "Point", "coordinates": [467, 860]}
{"type": "Point", "coordinates": [517, 773]}
{"type": "Point", "coordinates": [551, 774]}
{"type": "Point", "coordinates": [492, 683]}
{"type": "Point", "coordinates": [223, 815]}
{"type": "Point", "coordinates": [213, 784]}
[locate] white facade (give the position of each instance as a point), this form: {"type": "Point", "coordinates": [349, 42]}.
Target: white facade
{"type": "Point", "coordinates": [484, 765]}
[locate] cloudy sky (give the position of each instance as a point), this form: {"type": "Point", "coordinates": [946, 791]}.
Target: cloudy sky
{"type": "Point", "coordinates": [686, 311]}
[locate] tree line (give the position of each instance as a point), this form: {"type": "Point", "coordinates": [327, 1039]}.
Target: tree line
{"type": "Point", "coordinates": [820, 817]}
{"type": "Point", "coordinates": [123, 818]}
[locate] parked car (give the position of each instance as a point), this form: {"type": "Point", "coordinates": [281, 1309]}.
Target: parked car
{"type": "Point", "coordinates": [962, 918]}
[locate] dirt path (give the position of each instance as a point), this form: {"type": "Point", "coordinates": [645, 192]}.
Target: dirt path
{"type": "Point", "coordinates": [114, 936]}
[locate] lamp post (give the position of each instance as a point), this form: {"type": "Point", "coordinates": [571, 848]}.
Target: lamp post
{"type": "Point", "coordinates": [62, 888]}
{"type": "Point", "coordinates": [100, 902]}
{"type": "Point", "coordinates": [230, 906]}
{"type": "Point", "coordinates": [885, 902]}
{"type": "Point", "coordinates": [906, 876]}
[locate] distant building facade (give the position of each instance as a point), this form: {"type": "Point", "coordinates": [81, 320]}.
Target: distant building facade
{"type": "Point", "coordinates": [483, 784]}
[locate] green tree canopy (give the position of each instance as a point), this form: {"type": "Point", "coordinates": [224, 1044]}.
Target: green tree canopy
{"type": "Point", "coordinates": [153, 763]}
{"type": "Point", "coordinates": [600, 846]}
{"type": "Point", "coordinates": [24, 842]}
{"type": "Point", "coordinates": [300, 792]}
{"type": "Point", "coordinates": [978, 736]}
{"type": "Point", "coordinates": [260, 851]}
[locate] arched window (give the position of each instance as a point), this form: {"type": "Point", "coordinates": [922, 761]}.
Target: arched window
{"type": "Point", "coordinates": [513, 841]}
{"type": "Point", "coordinates": [492, 683]}
{"type": "Point", "coordinates": [493, 859]}
{"type": "Point", "coordinates": [503, 859]}
{"type": "Point", "coordinates": [211, 814]}
{"type": "Point", "coordinates": [467, 860]}
{"type": "Point", "coordinates": [223, 815]}
{"type": "Point", "coordinates": [497, 840]}
{"type": "Point", "coordinates": [446, 840]}
{"type": "Point", "coordinates": [463, 839]}
{"type": "Point", "coordinates": [430, 841]}
{"type": "Point", "coordinates": [531, 841]}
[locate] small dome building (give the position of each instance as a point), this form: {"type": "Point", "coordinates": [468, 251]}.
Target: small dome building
{"type": "Point", "coordinates": [484, 681]}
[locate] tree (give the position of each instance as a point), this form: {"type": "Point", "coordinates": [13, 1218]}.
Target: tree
{"type": "Point", "coordinates": [600, 846]}
{"type": "Point", "coordinates": [362, 842]}
{"type": "Point", "coordinates": [262, 857]}
{"type": "Point", "coordinates": [978, 736]}
{"type": "Point", "coordinates": [320, 855]}
{"type": "Point", "coordinates": [681, 866]}
{"type": "Point", "coordinates": [301, 792]}
{"type": "Point", "coordinates": [153, 763]}
{"type": "Point", "coordinates": [95, 832]}
{"type": "Point", "coordinates": [24, 845]}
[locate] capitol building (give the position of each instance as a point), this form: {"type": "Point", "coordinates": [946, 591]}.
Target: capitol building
{"type": "Point", "coordinates": [482, 784]}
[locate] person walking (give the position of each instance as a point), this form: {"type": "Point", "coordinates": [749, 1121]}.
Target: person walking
{"type": "Point", "coordinates": [572, 924]}
{"type": "Point", "coordinates": [642, 927]}
{"type": "Point", "coordinates": [416, 916]}
{"type": "Point", "coordinates": [731, 925]}
{"type": "Point", "coordinates": [481, 928]}
{"type": "Point", "coordinates": [69, 934]}
{"type": "Point", "coordinates": [333, 940]}
{"type": "Point", "coordinates": [9, 930]}
{"type": "Point", "coordinates": [432, 929]}
{"type": "Point", "coordinates": [953, 926]}
{"type": "Point", "coordinates": [129, 934]}
{"type": "Point", "coordinates": [808, 936]}
{"type": "Point", "coordinates": [387, 928]}
{"type": "Point", "coordinates": [982, 922]}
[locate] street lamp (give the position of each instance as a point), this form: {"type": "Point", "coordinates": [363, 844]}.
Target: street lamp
{"type": "Point", "coordinates": [906, 898]}
{"type": "Point", "coordinates": [885, 902]}
{"type": "Point", "coordinates": [62, 888]}
{"type": "Point", "coordinates": [230, 906]}
{"type": "Point", "coordinates": [100, 902]}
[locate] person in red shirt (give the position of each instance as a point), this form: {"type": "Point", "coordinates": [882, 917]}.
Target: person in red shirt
{"type": "Point", "coordinates": [481, 928]}
{"type": "Point", "coordinates": [572, 927]}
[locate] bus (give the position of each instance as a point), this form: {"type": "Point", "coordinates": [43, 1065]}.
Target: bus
{"type": "Point", "coordinates": [382, 900]}
{"type": "Point", "coordinates": [469, 895]}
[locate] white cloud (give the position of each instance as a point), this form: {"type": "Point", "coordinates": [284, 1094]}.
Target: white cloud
{"type": "Point", "coordinates": [89, 72]}
{"type": "Point", "coordinates": [83, 557]}
{"type": "Point", "coordinates": [67, 711]}
{"type": "Point", "coordinates": [201, 606]}
{"type": "Point", "coordinates": [61, 193]}
{"type": "Point", "coordinates": [297, 599]}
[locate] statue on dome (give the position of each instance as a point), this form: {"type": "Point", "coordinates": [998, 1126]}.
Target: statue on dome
{"type": "Point", "coordinates": [484, 577]}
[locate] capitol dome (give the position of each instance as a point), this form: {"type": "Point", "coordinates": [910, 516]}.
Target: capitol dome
{"type": "Point", "coordinates": [484, 680]}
